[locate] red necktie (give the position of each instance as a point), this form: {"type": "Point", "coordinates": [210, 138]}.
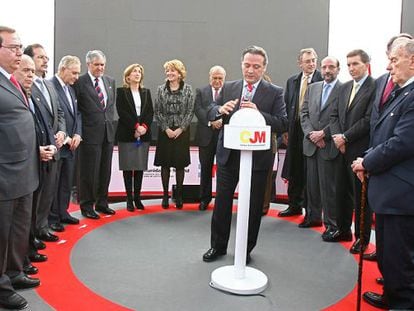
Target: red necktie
{"type": "Point", "coordinates": [387, 91]}
{"type": "Point", "coordinates": [249, 87]}
{"type": "Point", "coordinates": [216, 94]}
{"type": "Point", "coordinates": [17, 85]}
{"type": "Point", "coordinates": [100, 94]}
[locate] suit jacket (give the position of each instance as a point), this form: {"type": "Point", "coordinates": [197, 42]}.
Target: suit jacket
{"type": "Point", "coordinates": [55, 118]}
{"type": "Point", "coordinates": [128, 117]}
{"type": "Point", "coordinates": [203, 100]}
{"type": "Point", "coordinates": [390, 160]}
{"type": "Point", "coordinates": [313, 118]}
{"type": "Point", "coordinates": [295, 134]}
{"type": "Point", "coordinates": [73, 121]}
{"type": "Point", "coordinates": [269, 101]}
{"type": "Point", "coordinates": [97, 123]}
{"type": "Point", "coordinates": [19, 151]}
{"type": "Point", "coordinates": [353, 121]}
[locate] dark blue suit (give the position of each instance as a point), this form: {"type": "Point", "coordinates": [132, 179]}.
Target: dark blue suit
{"type": "Point", "coordinates": [390, 164]}
{"type": "Point", "coordinates": [269, 101]}
{"type": "Point", "coordinates": [66, 163]}
{"type": "Point", "coordinates": [206, 138]}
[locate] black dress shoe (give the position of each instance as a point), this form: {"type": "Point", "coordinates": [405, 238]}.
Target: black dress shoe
{"type": "Point", "coordinates": [179, 202]}
{"type": "Point", "coordinates": [310, 223]}
{"type": "Point", "coordinates": [130, 205]}
{"type": "Point", "coordinates": [356, 247]}
{"type": "Point", "coordinates": [70, 220]}
{"type": "Point", "coordinates": [338, 236]}
{"type": "Point", "coordinates": [13, 301]}
{"type": "Point", "coordinates": [371, 256]}
{"type": "Point", "coordinates": [380, 281]}
{"type": "Point", "coordinates": [47, 236]}
{"type": "Point", "coordinates": [37, 257]}
{"type": "Point", "coordinates": [212, 254]}
{"type": "Point", "coordinates": [24, 282]}
{"type": "Point", "coordinates": [105, 210]}
{"type": "Point", "coordinates": [165, 202]}
{"type": "Point", "coordinates": [329, 231]}
{"type": "Point", "coordinates": [203, 205]}
{"type": "Point", "coordinates": [90, 214]}
{"type": "Point", "coordinates": [291, 211]}
{"type": "Point", "coordinates": [375, 300]}
{"type": "Point", "coordinates": [138, 204]}
{"type": "Point", "coordinates": [57, 227]}
{"type": "Point", "coordinates": [30, 269]}
{"type": "Point", "coordinates": [39, 245]}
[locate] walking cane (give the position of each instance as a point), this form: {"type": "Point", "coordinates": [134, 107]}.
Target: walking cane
{"type": "Point", "coordinates": [361, 239]}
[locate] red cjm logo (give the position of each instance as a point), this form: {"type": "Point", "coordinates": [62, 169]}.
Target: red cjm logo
{"type": "Point", "coordinates": [253, 138]}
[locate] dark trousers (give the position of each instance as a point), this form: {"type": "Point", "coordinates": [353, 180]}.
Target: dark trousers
{"type": "Point", "coordinates": [206, 156]}
{"type": "Point", "coordinates": [15, 218]}
{"type": "Point", "coordinates": [95, 174]}
{"type": "Point", "coordinates": [46, 194]}
{"type": "Point", "coordinates": [348, 194]}
{"type": "Point", "coordinates": [227, 179]}
{"type": "Point", "coordinates": [395, 252]}
{"type": "Point", "coordinates": [65, 174]}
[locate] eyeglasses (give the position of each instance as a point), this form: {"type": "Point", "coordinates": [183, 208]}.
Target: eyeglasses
{"type": "Point", "coordinates": [13, 48]}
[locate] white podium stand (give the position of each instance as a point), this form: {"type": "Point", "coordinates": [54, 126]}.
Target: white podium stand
{"type": "Point", "coordinates": [246, 131]}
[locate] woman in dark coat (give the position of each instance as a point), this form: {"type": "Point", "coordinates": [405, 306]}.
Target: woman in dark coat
{"type": "Point", "coordinates": [136, 112]}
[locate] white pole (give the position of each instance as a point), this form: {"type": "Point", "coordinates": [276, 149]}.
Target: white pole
{"type": "Point", "coordinates": [243, 207]}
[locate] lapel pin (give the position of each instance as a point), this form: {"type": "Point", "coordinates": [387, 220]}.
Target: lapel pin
{"type": "Point", "coordinates": [391, 114]}
{"type": "Point", "coordinates": [406, 93]}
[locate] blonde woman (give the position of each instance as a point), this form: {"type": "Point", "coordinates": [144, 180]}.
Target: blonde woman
{"type": "Point", "coordinates": [135, 111]}
{"type": "Point", "coordinates": [174, 109]}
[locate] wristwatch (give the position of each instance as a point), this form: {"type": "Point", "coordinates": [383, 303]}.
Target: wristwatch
{"type": "Point", "coordinates": [344, 138]}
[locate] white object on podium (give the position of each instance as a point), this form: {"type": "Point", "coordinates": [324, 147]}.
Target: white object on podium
{"type": "Point", "coordinates": [246, 131]}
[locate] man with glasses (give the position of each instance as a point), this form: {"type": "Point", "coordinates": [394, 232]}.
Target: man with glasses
{"type": "Point", "coordinates": [18, 174]}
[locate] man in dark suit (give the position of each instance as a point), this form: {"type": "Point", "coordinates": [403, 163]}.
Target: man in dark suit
{"type": "Point", "coordinates": [383, 88]}
{"type": "Point", "coordinates": [96, 101]}
{"type": "Point", "coordinates": [268, 100]}
{"type": "Point", "coordinates": [349, 124]}
{"type": "Point", "coordinates": [207, 131]}
{"type": "Point", "coordinates": [389, 164]}
{"type": "Point", "coordinates": [319, 149]}
{"type": "Point", "coordinates": [18, 174]}
{"type": "Point", "coordinates": [294, 165]}
{"type": "Point", "coordinates": [68, 73]}
{"type": "Point", "coordinates": [46, 141]}
{"type": "Point", "coordinates": [45, 97]}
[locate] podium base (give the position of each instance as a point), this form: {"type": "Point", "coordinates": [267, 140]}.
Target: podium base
{"type": "Point", "coordinates": [224, 278]}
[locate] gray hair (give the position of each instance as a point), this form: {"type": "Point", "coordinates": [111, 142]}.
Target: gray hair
{"type": "Point", "coordinates": [91, 55]}
{"type": "Point", "coordinates": [68, 61]}
{"type": "Point", "coordinates": [256, 50]}
{"type": "Point", "coordinates": [404, 43]}
{"type": "Point", "coordinates": [307, 51]}
{"type": "Point", "coordinates": [217, 68]}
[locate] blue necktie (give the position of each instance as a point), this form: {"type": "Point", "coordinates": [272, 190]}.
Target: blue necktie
{"type": "Point", "coordinates": [325, 94]}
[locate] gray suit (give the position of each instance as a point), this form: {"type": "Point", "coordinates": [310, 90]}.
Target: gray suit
{"type": "Point", "coordinates": [55, 120]}
{"type": "Point", "coordinates": [320, 162]}
{"type": "Point", "coordinates": [18, 179]}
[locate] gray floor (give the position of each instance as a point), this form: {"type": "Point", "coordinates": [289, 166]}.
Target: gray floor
{"type": "Point", "coordinates": [153, 262]}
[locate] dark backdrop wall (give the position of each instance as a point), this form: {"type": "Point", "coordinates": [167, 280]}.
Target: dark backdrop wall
{"type": "Point", "coordinates": [407, 19]}
{"type": "Point", "coordinates": [200, 33]}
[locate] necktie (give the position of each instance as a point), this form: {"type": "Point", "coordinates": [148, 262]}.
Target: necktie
{"type": "Point", "coordinates": [387, 91]}
{"type": "Point", "coordinates": [302, 92]}
{"type": "Point", "coordinates": [248, 94]}
{"type": "Point", "coordinates": [325, 94]}
{"type": "Point", "coordinates": [216, 94]}
{"type": "Point", "coordinates": [100, 94]}
{"type": "Point", "coordinates": [355, 89]}
{"type": "Point", "coordinates": [17, 85]}
{"type": "Point", "coordinates": [45, 93]}
{"type": "Point", "coordinates": [66, 89]}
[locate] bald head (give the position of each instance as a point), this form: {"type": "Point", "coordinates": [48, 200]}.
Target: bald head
{"type": "Point", "coordinates": [25, 73]}
{"type": "Point", "coordinates": [329, 68]}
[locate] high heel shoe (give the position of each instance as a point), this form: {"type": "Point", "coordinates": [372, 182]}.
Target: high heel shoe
{"type": "Point", "coordinates": [130, 205]}
{"type": "Point", "coordinates": [165, 202]}
{"type": "Point", "coordinates": [179, 202]}
{"type": "Point", "coordinates": [138, 204]}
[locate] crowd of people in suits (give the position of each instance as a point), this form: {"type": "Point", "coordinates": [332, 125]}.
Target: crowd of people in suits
{"type": "Point", "coordinates": [336, 135]}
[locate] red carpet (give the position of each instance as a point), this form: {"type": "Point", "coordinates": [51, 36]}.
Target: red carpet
{"type": "Point", "coordinates": [62, 290]}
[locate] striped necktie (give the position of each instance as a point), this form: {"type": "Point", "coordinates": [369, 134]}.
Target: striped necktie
{"type": "Point", "coordinates": [100, 94]}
